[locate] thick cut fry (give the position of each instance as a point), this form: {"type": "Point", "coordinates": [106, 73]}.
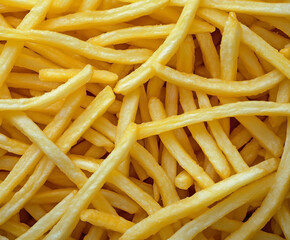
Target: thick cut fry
{"type": "Point", "coordinates": [12, 145]}
{"type": "Point", "coordinates": [200, 200]}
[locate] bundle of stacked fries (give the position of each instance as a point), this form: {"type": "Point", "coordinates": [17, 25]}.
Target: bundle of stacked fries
{"type": "Point", "coordinates": [145, 119]}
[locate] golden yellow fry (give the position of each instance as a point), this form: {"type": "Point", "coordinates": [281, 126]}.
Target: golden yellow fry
{"type": "Point", "coordinates": [98, 139]}
{"type": "Point", "coordinates": [47, 221]}
{"type": "Point", "coordinates": [85, 195]}
{"type": "Point", "coordinates": [52, 196]}
{"type": "Point", "coordinates": [30, 81]}
{"type": "Point", "coordinates": [217, 86]}
{"type": "Point", "coordinates": [121, 201]}
{"type": "Point", "coordinates": [274, 39]}
{"type": "Point", "coordinates": [258, 108]}
{"type": "Point", "coordinates": [12, 145]}
{"type": "Point", "coordinates": [278, 22]}
{"type": "Point", "coordinates": [108, 221]}
{"type": "Point", "coordinates": [273, 199]}
{"type": "Point", "coordinates": [127, 115]}
{"type": "Point", "coordinates": [157, 112]}
{"type": "Point", "coordinates": [15, 228]}
{"type": "Point", "coordinates": [163, 53]}
{"type": "Point", "coordinates": [251, 39]}
{"type": "Point", "coordinates": [12, 49]}
{"type": "Point", "coordinates": [198, 201]}
{"type": "Point", "coordinates": [95, 233]}
{"type": "Point", "coordinates": [283, 218]}
{"type": "Point", "coordinates": [85, 20]}
{"type": "Point", "coordinates": [183, 180]}
{"type": "Point", "coordinates": [229, 48]}
{"type": "Point", "coordinates": [7, 162]}
{"type": "Point", "coordinates": [145, 32]}
{"type": "Point", "coordinates": [62, 75]}
{"type": "Point", "coordinates": [42, 101]}
{"type": "Point", "coordinates": [129, 56]}
{"type": "Point", "coordinates": [238, 198]}
{"type": "Point", "coordinates": [33, 154]}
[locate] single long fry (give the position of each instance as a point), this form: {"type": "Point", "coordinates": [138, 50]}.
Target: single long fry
{"type": "Point", "coordinates": [218, 86]}
{"type": "Point", "coordinates": [201, 199]}
{"type": "Point", "coordinates": [85, 20]}
{"type": "Point", "coordinates": [227, 110]}
{"type": "Point", "coordinates": [106, 220]}
{"type": "Point", "coordinates": [54, 39]}
{"type": "Point", "coordinates": [62, 75]}
{"type": "Point", "coordinates": [145, 32]}
{"type": "Point", "coordinates": [51, 97]}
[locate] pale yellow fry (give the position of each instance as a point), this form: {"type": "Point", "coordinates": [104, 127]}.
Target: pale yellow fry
{"type": "Point", "coordinates": [29, 159]}
{"type": "Point", "coordinates": [163, 53]}
{"type": "Point", "coordinates": [86, 20]}
{"type": "Point", "coordinates": [54, 39]}
{"type": "Point", "coordinates": [146, 32]}
{"type": "Point", "coordinates": [29, 81]}
{"type": "Point", "coordinates": [251, 39]}
{"type": "Point", "coordinates": [176, 150]}
{"type": "Point", "coordinates": [12, 145]}
{"type": "Point", "coordinates": [198, 201]}
{"type": "Point", "coordinates": [105, 220]}
{"type": "Point", "coordinates": [36, 211]}
{"type": "Point", "coordinates": [235, 200]}
{"type": "Point", "coordinates": [12, 49]}
{"type": "Point", "coordinates": [258, 108]}
{"type": "Point", "coordinates": [48, 98]}
{"type": "Point", "coordinates": [217, 86]}
{"type": "Point", "coordinates": [4, 9]}
{"type": "Point", "coordinates": [229, 48]}
{"type": "Point", "coordinates": [62, 75]}
{"type": "Point", "coordinates": [278, 22]}
{"type": "Point", "coordinates": [85, 195]}
{"type": "Point", "coordinates": [127, 115]}
{"type": "Point", "coordinates": [274, 198]}
{"type": "Point", "coordinates": [47, 221]}
{"type": "Point", "coordinates": [274, 39]}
